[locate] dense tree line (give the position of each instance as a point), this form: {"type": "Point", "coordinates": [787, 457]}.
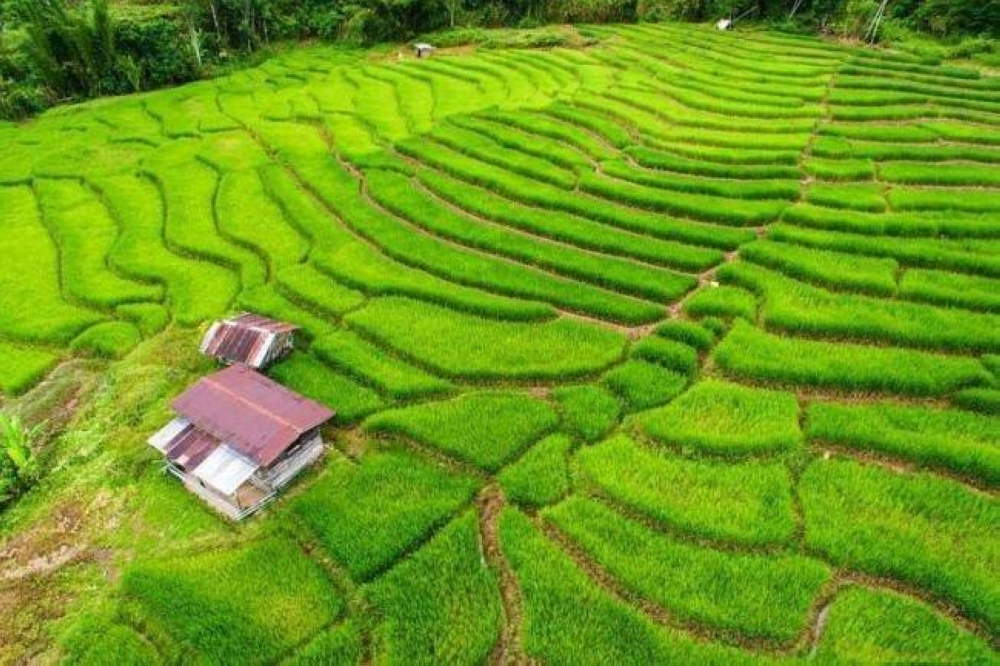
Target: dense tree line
{"type": "Point", "coordinates": [56, 50]}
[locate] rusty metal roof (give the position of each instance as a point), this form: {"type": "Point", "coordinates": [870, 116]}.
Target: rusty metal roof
{"type": "Point", "coordinates": [255, 415]}
{"type": "Point", "coordinates": [189, 447]}
{"type": "Point", "coordinates": [247, 339]}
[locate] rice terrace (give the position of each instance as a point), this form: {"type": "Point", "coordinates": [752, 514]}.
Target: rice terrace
{"type": "Point", "coordinates": [662, 344]}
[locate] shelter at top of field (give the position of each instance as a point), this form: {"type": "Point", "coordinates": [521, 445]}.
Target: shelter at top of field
{"type": "Point", "coordinates": [239, 437]}
{"type": "Point", "coordinates": [249, 339]}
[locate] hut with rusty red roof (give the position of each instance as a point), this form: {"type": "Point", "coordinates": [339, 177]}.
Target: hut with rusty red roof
{"type": "Point", "coordinates": [239, 437]}
{"type": "Point", "coordinates": [249, 339]}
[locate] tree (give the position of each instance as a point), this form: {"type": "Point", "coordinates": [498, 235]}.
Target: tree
{"type": "Point", "coordinates": [73, 54]}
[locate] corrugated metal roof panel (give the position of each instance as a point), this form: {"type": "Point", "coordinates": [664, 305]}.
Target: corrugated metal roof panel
{"type": "Point", "coordinates": [165, 435]}
{"type": "Point", "coordinates": [247, 339]}
{"type": "Point", "coordinates": [225, 469]}
{"type": "Point", "coordinates": [255, 415]}
{"type": "Point", "coordinates": [190, 447]}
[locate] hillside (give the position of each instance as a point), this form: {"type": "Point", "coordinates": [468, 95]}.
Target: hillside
{"type": "Point", "coordinates": [679, 347]}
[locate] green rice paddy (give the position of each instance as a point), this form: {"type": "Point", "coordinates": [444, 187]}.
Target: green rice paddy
{"type": "Point", "coordinates": [677, 347]}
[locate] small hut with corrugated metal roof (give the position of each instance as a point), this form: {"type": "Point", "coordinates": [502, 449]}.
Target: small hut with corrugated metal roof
{"type": "Point", "coordinates": [239, 437]}
{"type": "Point", "coordinates": [249, 339]}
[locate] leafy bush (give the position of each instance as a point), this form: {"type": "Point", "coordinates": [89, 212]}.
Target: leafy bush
{"type": "Point", "coordinates": [19, 467]}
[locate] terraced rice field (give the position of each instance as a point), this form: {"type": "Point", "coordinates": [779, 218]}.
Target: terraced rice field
{"type": "Point", "coordinates": [681, 347]}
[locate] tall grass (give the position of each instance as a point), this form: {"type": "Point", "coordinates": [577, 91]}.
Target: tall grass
{"type": "Point", "coordinates": [951, 440]}
{"type": "Point", "coordinates": [366, 516]}
{"type": "Point", "coordinates": [748, 503]}
{"type": "Point", "coordinates": [724, 418]}
{"type": "Point", "coordinates": [486, 429]}
{"type": "Point", "coordinates": [921, 529]}
{"type": "Point", "coordinates": [460, 345]}
{"type": "Point", "coordinates": [750, 595]}
{"type": "Point", "coordinates": [753, 354]}
{"type": "Point", "coordinates": [440, 605]}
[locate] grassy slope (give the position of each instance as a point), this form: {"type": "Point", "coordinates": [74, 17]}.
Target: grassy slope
{"type": "Point", "coordinates": [499, 305]}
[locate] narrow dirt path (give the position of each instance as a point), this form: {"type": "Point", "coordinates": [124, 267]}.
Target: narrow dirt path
{"type": "Point", "coordinates": [508, 650]}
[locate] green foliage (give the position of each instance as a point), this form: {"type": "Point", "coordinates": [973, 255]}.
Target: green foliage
{"type": "Point", "coordinates": [29, 250]}
{"type": "Point", "coordinates": [475, 247]}
{"type": "Point", "coordinates": [111, 339]}
{"type": "Point", "coordinates": [722, 301]}
{"type": "Point", "coordinates": [352, 355]}
{"type": "Point", "coordinates": [668, 353]}
{"type": "Point", "coordinates": [19, 467]}
{"type": "Point", "coordinates": [235, 606]}
{"type": "Point", "coordinates": [944, 288]}
{"type": "Point", "coordinates": [752, 595]}
{"type": "Point", "coordinates": [22, 367]}
{"type": "Point", "coordinates": [694, 335]}
{"type": "Point", "coordinates": [72, 54]}
{"type": "Point", "coordinates": [569, 619]}
{"type": "Point", "coordinates": [339, 646]}
{"type": "Point", "coordinates": [985, 400]}
{"type": "Point", "coordinates": [588, 411]}
{"type": "Point", "coordinates": [880, 626]}
{"type": "Point", "coordinates": [825, 169]}
{"type": "Point", "coordinates": [728, 419]}
{"type": "Point", "coordinates": [642, 385]}
{"type": "Point", "coordinates": [461, 345]}
{"type": "Point", "coordinates": [921, 529]}
{"type": "Point", "coordinates": [958, 441]}
{"type": "Point", "coordinates": [836, 269]}
{"type": "Point", "coordinates": [486, 429]}
{"type": "Point", "coordinates": [569, 228]}
{"type": "Point", "coordinates": [541, 476]}
{"type": "Point", "coordinates": [852, 197]}
{"type": "Point", "coordinates": [367, 515]}
{"type": "Point", "coordinates": [94, 640]}
{"type": "Point", "coordinates": [919, 252]}
{"type": "Point", "coordinates": [748, 352]}
{"type": "Point", "coordinates": [531, 192]}
{"type": "Point", "coordinates": [747, 503]}
{"type": "Point", "coordinates": [442, 605]}
{"type": "Point", "coordinates": [149, 318]}
{"type": "Point", "coordinates": [396, 193]}
{"type": "Point", "coordinates": [796, 307]}
{"type": "Point", "coordinates": [305, 374]}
